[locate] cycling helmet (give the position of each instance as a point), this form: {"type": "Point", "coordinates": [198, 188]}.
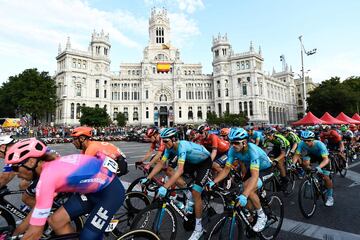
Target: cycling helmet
{"type": "Point", "coordinates": [203, 127]}
{"type": "Point", "coordinates": [25, 149]}
{"type": "Point", "coordinates": [270, 131]}
{"type": "Point", "coordinates": [238, 134]}
{"type": "Point", "coordinates": [224, 131]}
{"type": "Point", "coordinates": [6, 139]}
{"type": "Point", "coordinates": [343, 128]}
{"type": "Point", "coordinates": [82, 131]}
{"type": "Point", "coordinates": [168, 133]}
{"type": "Point", "coordinates": [288, 129]}
{"type": "Point", "coordinates": [248, 128]}
{"type": "Point", "coordinates": [352, 127]}
{"type": "Point", "coordinates": [151, 131]}
{"type": "Point", "coordinates": [307, 135]}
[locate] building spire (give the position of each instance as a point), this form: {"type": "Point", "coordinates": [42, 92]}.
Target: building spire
{"type": "Point", "coordinates": [68, 43]}
{"type": "Point", "coordinates": [260, 52]}
{"type": "Point", "coordinates": [59, 48]}
{"type": "Point", "coordinates": [251, 46]}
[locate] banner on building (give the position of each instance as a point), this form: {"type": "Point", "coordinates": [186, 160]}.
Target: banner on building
{"type": "Point", "coordinates": [163, 67]}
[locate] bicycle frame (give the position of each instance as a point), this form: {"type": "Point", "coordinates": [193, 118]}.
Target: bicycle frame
{"type": "Point", "coordinates": [8, 206]}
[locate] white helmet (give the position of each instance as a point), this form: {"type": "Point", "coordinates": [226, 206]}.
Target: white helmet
{"type": "Point", "coordinates": [6, 139]}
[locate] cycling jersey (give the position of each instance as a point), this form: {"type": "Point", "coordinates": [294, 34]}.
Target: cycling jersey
{"type": "Point", "coordinates": [106, 148]}
{"type": "Point", "coordinates": [293, 138]}
{"type": "Point", "coordinates": [333, 137]}
{"type": "Point", "coordinates": [187, 152]}
{"type": "Point", "coordinates": [73, 173]}
{"type": "Point", "coordinates": [253, 157]}
{"type": "Point", "coordinates": [158, 146]}
{"type": "Point", "coordinates": [257, 135]}
{"type": "Point", "coordinates": [279, 142]}
{"type": "Point", "coordinates": [318, 149]}
{"type": "Point", "coordinates": [214, 142]}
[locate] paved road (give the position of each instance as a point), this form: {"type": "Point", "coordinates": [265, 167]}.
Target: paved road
{"type": "Point", "coordinates": [338, 223]}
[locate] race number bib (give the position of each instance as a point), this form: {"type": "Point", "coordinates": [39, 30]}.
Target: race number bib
{"type": "Point", "coordinates": [110, 164]}
{"type": "Point", "coordinates": [113, 223]}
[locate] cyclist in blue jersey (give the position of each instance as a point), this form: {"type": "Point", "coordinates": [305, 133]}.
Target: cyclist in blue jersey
{"type": "Point", "coordinates": [316, 151]}
{"type": "Point", "coordinates": [255, 136]}
{"type": "Point", "coordinates": [192, 158]}
{"type": "Point", "coordinates": [255, 165]}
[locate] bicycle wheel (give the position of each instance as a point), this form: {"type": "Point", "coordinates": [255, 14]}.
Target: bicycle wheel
{"type": "Point", "coordinates": [274, 209]}
{"type": "Point", "coordinates": [139, 234]}
{"type": "Point", "coordinates": [133, 204]}
{"type": "Point", "coordinates": [135, 186]}
{"type": "Point", "coordinates": [213, 203]}
{"type": "Point", "coordinates": [161, 221]}
{"type": "Point", "coordinates": [307, 198]}
{"type": "Point", "coordinates": [7, 222]}
{"type": "Point", "coordinates": [342, 167]}
{"type": "Point", "coordinates": [291, 184]}
{"type": "Point", "coordinates": [224, 228]}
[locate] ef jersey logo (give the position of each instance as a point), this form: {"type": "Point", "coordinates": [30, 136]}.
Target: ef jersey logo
{"type": "Point", "coordinates": [100, 218]}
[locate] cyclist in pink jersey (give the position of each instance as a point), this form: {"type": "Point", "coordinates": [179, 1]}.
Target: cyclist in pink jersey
{"type": "Point", "coordinates": [93, 177]}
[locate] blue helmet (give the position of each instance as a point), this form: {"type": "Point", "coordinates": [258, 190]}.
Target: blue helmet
{"type": "Point", "coordinates": [238, 134]}
{"type": "Point", "coordinates": [168, 133]}
{"type": "Point", "coordinates": [307, 135]}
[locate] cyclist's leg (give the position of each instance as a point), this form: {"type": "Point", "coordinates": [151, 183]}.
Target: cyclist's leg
{"type": "Point", "coordinates": [107, 202]}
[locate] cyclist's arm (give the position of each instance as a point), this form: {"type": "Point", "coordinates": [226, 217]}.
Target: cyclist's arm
{"type": "Point", "coordinates": [147, 155]}
{"type": "Point", "coordinates": [294, 147]}
{"type": "Point", "coordinates": [175, 176]}
{"type": "Point", "coordinates": [23, 225]}
{"type": "Point", "coordinates": [213, 154]}
{"type": "Point", "coordinates": [158, 167]}
{"type": "Point", "coordinates": [325, 161]}
{"type": "Point", "coordinates": [224, 172]}
{"type": "Point", "coordinates": [6, 177]}
{"type": "Point", "coordinates": [257, 141]}
{"type": "Point", "coordinates": [296, 158]}
{"type": "Point", "coordinates": [34, 232]}
{"type": "Point", "coordinates": [156, 158]}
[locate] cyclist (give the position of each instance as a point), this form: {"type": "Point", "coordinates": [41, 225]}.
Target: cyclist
{"type": "Point", "coordinates": [156, 145]}
{"type": "Point", "coordinates": [93, 177]}
{"type": "Point", "coordinates": [316, 151]}
{"type": "Point", "coordinates": [255, 164]}
{"type": "Point", "coordinates": [82, 140]}
{"type": "Point", "coordinates": [224, 132]}
{"type": "Point", "coordinates": [217, 146]}
{"type": "Point", "coordinates": [278, 153]}
{"type": "Point", "coordinates": [192, 158]}
{"type": "Point", "coordinates": [293, 139]}
{"type": "Point", "coordinates": [255, 136]}
{"type": "Point", "coordinates": [7, 175]}
{"type": "Point", "coordinates": [334, 141]}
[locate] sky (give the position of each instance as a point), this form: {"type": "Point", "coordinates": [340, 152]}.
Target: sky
{"type": "Point", "coordinates": [31, 31]}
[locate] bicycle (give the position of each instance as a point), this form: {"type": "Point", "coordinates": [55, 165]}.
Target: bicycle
{"type": "Point", "coordinates": [229, 225]}
{"type": "Point", "coordinates": [311, 189]}
{"type": "Point", "coordinates": [8, 210]}
{"type": "Point", "coordinates": [161, 218]}
{"type": "Point", "coordinates": [133, 234]}
{"type": "Point", "coordinates": [337, 163]}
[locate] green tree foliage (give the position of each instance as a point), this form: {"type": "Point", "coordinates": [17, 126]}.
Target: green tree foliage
{"type": "Point", "coordinates": [334, 96]}
{"type": "Point", "coordinates": [121, 119]}
{"type": "Point", "coordinates": [94, 117]}
{"type": "Point", "coordinates": [30, 92]}
{"type": "Point", "coordinates": [228, 119]}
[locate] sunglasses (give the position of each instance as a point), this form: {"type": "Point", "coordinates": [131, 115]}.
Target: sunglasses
{"type": "Point", "coordinates": [308, 140]}
{"type": "Point", "coordinates": [237, 142]}
{"type": "Point", "coordinates": [166, 140]}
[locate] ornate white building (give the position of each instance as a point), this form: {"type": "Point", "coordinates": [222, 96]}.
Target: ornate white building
{"type": "Point", "coordinates": [163, 90]}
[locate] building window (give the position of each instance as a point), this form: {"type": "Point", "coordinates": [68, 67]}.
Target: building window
{"type": "Point", "coordinates": [240, 107]}
{"type": "Point", "coordinates": [190, 113]}
{"type": "Point", "coordinates": [244, 89]}
{"type": "Point", "coordinates": [242, 65]}
{"type": "Point", "coordinates": [180, 115]}
{"type": "Point", "coordinates": [179, 93]}
{"type": "Point", "coordinates": [226, 92]}
{"type": "Point", "coordinates": [163, 98]}
{"type": "Point", "coordinates": [245, 108]}
{"type": "Point", "coordinates": [126, 114]}
{"type": "Point", "coordinates": [78, 90]}
{"type": "Point", "coordinates": [78, 111]}
{"type": "Point", "coordinates": [219, 93]}
{"type": "Point", "coordinates": [104, 93]}
{"type": "Point", "coordinates": [247, 64]}
{"type": "Point", "coordinates": [251, 108]}
{"type": "Point", "coordinates": [136, 114]}
{"type": "Point", "coordinates": [147, 113]}
{"type": "Point", "coordinates": [227, 107]}
{"type": "Point", "coordinates": [199, 113]}
{"type": "Point", "coordinates": [97, 93]}
{"type": "Point", "coordinates": [72, 111]}
{"type": "Point", "coordinates": [115, 113]}
{"type": "Point", "coordinates": [220, 110]}
{"type": "Point", "coordinates": [146, 94]}
{"type": "Point", "coordinates": [96, 105]}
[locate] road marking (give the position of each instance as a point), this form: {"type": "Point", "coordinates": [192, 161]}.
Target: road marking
{"type": "Point", "coordinates": [354, 176]}
{"type": "Point", "coordinates": [315, 231]}
{"type": "Point", "coordinates": [354, 165]}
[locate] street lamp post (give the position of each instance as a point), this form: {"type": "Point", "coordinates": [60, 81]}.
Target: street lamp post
{"type": "Point", "coordinates": [308, 53]}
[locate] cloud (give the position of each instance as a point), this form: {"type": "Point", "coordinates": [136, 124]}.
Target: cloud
{"type": "Point", "coordinates": [183, 29]}
{"type": "Point", "coordinates": [190, 6]}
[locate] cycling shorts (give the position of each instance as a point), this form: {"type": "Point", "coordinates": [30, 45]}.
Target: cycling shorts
{"type": "Point", "coordinates": [101, 206]}
{"type": "Point", "coordinates": [200, 172]}
{"type": "Point", "coordinates": [264, 175]}
{"type": "Point", "coordinates": [317, 159]}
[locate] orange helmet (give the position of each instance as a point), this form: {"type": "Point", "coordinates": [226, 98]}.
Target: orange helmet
{"type": "Point", "coordinates": [82, 131]}
{"type": "Point", "coordinates": [224, 131]}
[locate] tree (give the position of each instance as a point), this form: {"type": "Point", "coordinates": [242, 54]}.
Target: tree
{"type": "Point", "coordinates": [30, 92]}
{"type": "Point", "coordinates": [334, 96]}
{"type": "Point", "coordinates": [121, 119]}
{"type": "Point", "coordinates": [94, 117]}
{"type": "Point", "coordinates": [228, 119]}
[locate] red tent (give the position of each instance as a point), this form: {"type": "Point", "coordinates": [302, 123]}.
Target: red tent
{"type": "Point", "coordinates": [330, 119]}
{"type": "Point", "coordinates": [342, 116]}
{"type": "Point", "coordinates": [309, 119]}
{"type": "Point", "coordinates": [356, 117]}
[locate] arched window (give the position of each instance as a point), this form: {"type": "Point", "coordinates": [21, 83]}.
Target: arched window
{"type": "Point", "coordinates": [72, 116]}
{"type": "Point", "coordinates": [78, 111]}
{"type": "Point", "coordinates": [163, 98]}
{"type": "Point", "coordinates": [251, 108]}
{"type": "Point", "coordinates": [226, 92]}
{"type": "Point", "coordinates": [190, 113]}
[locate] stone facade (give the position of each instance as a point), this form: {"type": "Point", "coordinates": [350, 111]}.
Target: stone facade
{"type": "Point", "coordinates": [163, 90]}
